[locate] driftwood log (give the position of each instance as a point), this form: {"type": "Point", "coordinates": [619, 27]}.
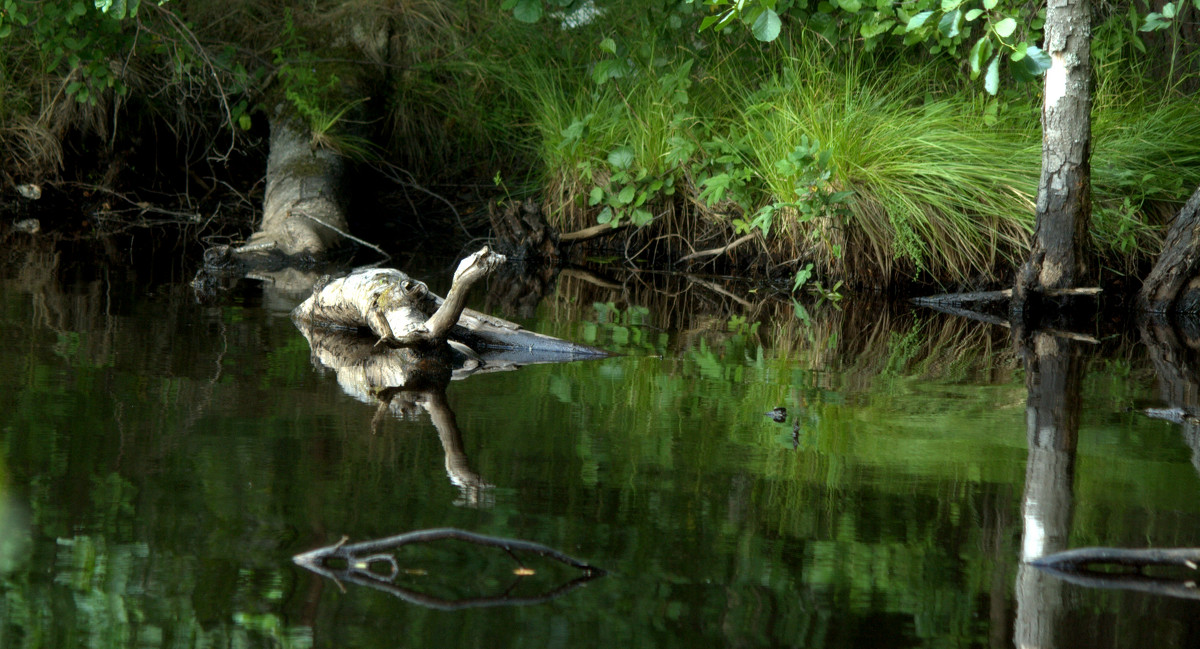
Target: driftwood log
{"type": "Point", "coordinates": [402, 312]}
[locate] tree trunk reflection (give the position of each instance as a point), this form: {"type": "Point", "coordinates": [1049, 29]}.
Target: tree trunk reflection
{"type": "Point", "coordinates": [1053, 373]}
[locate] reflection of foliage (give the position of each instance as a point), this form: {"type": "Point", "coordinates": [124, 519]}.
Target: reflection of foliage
{"type": "Point", "coordinates": [627, 330]}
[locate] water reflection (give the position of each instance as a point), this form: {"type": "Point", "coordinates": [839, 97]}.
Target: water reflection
{"type": "Point", "coordinates": [403, 381]}
{"type": "Point", "coordinates": [1053, 372]}
{"type": "Point", "coordinates": [172, 457]}
{"type": "Point", "coordinates": [377, 564]}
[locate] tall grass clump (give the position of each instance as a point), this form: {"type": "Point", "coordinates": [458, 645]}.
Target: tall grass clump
{"type": "Point", "coordinates": [935, 185]}
{"type": "Point", "coordinates": [1145, 163]}
{"type": "Point", "coordinates": [872, 167]}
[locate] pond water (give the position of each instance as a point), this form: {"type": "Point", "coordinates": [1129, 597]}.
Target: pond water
{"type": "Point", "coordinates": [162, 460]}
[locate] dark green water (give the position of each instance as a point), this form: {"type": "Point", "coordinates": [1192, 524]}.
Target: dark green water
{"type": "Point", "coordinates": [161, 461]}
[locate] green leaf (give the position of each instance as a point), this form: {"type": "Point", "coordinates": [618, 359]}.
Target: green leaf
{"type": "Point", "coordinates": [608, 69]}
{"type": "Point", "coordinates": [766, 27]}
{"type": "Point", "coordinates": [626, 195]}
{"type": "Point", "coordinates": [917, 21]}
{"type": "Point", "coordinates": [991, 82]}
{"type": "Point", "coordinates": [980, 51]}
{"type": "Point", "coordinates": [1037, 61]}
{"type": "Point", "coordinates": [990, 4]}
{"type": "Point", "coordinates": [621, 157]}
{"type": "Point", "coordinates": [948, 26]}
{"type": "Point", "coordinates": [641, 217]}
{"type": "Point", "coordinates": [595, 196]}
{"type": "Point", "coordinates": [608, 45]}
{"type": "Point", "coordinates": [951, 5]}
{"type": "Point", "coordinates": [528, 11]}
{"type": "Point", "coordinates": [1154, 22]}
{"type": "Point", "coordinates": [1019, 51]}
{"type": "Point", "coordinates": [870, 30]}
{"type": "Point", "coordinates": [1006, 27]}
{"type": "Point", "coordinates": [850, 5]}
{"type": "Point", "coordinates": [707, 22]}
{"type": "Point", "coordinates": [605, 216]}
{"type": "Point", "coordinates": [973, 14]}
{"type": "Point", "coordinates": [1168, 10]}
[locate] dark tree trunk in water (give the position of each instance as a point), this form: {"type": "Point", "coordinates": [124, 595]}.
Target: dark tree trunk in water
{"type": "Point", "coordinates": [1174, 284]}
{"type": "Point", "coordinates": [1057, 259]}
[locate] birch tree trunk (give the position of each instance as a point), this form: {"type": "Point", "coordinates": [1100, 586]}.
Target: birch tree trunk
{"type": "Point", "coordinates": [1057, 259]}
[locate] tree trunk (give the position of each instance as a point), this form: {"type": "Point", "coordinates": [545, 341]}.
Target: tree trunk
{"type": "Point", "coordinates": [1057, 259]}
{"type": "Point", "coordinates": [303, 204]}
{"type": "Point", "coordinates": [1174, 284]}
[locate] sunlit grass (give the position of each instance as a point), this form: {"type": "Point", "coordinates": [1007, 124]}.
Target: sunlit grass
{"type": "Point", "coordinates": [943, 178]}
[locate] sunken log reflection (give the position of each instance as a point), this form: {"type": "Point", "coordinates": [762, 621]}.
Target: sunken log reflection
{"type": "Point", "coordinates": [403, 381]}
{"type": "Point", "coordinates": [1053, 373]}
{"type": "Point", "coordinates": [1175, 359]}
{"type": "Point", "coordinates": [378, 564]}
{"type": "Point", "coordinates": [1123, 569]}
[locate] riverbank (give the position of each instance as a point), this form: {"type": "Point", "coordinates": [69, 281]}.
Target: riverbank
{"type": "Point", "coordinates": [877, 168]}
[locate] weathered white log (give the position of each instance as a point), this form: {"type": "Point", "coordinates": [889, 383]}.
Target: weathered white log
{"type": "Point", "coordinates": [398, 309]}
{"type": "Point", "coordinates": [402, 312]}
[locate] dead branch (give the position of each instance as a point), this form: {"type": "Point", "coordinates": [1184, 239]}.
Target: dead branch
{"type": "Point", "coordinates": [718, 251]}
{"type": "Point", "coordinates": [996, 296]}
{"type": "Point", "coordinates": [589, 233]}
{"type": "Point", "coordinates": [1093, 567]}
{"type": "Point", "coordinates": [997, 320]}
{"type": "Point", "coordinates": [1089, 558]}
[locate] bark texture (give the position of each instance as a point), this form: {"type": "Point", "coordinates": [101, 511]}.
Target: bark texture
{"type": "Point", "coordinates": [1057, 259]}
{"type": "Point", "coordinates": [1174, 283]}
{"type": "Point", "coordinates": [303, 204]}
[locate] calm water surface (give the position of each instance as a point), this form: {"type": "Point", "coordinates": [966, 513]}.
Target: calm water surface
{"type": "Point", "coordinates": [161, 461]}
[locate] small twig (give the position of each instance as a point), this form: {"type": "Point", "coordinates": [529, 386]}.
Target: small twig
{"type": "Point", "coordinates": [718, 251]}
{"type": "Point", "coordinates": [717, 289]}
{"type": "Point", "coordinates": [349, 236]}
{"type": "Point", "coordinates": [412, 182]}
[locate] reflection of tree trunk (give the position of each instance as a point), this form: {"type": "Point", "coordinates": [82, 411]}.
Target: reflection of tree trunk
{"type": "Point", "coordinates": [1178, 381]}
{"type": "Point", "coordinates": [1053, 372]}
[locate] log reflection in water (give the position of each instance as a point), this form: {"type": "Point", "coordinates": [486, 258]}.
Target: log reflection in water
{"type": "Point", "coordinates": [404, 381]}
{"type": "Point", "coordinates": [374, 564]}
{"type": "Point", "coordinates": [1122, 568]}
{"type": "Point", "coordinates": [1177, 363]}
